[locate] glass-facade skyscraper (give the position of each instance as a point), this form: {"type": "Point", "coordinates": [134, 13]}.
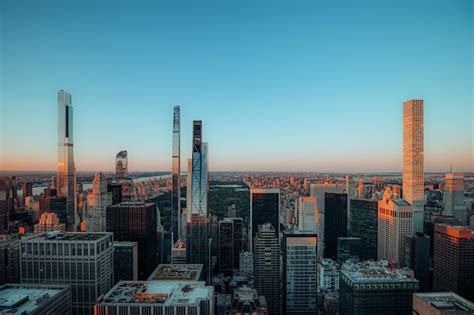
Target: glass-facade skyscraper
{"type": "Point", "coordinates": [364, 224]}
{"type": "Point", "coordinates": [175, 177]}
{"type": "Point", "coordinates": [264, 208]}
{"type": "Point", "coordinates": [66, 171]}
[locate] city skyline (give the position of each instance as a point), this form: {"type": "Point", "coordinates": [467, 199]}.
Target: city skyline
{"type": "Point", "coordinates": [340, 102]}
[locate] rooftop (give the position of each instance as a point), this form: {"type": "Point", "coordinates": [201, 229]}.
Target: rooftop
{"type": "Point", "coordinates": [447, 301]}
{"type": "Point", "coordinates": [69, 236]}
{"type": "Point", "coordinates": [181, 272]}
{"type": "Point", "coordinates": [159, 292]}
{"type": "Point", "coordinates": [376, 272]}
{"type": "Point", "coordinates": [25, 298]}
{"type": "Point", "coordinates": [401, 202]}
{"type": "Point", "coordinates": [125, 244]}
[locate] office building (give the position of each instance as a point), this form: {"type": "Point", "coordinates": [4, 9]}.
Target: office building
{"type": "Point", "coordinates": [66, 171]}
{"type": "Point", "coordinates": [413, 151]}
{"type": "Point", "coordinates": [348, 247]}
{"type": "Point", "coordinates": [176, 176]}
{"type": "Point", "coordinates": [230, 244]}
{"type": "Point", "coordinates": [453, 260]}
{"type": "Point", "coordinates": [116, 190]}
{"type": "Point", "coordinates": [375, 288]}
{"type": "Point", "coordinates": [246, 263]}
{"type": "Point", "coordinates": [454, 197]}
{"type": "Point", "coordinates": [264, 208]}
{"type": "Point", "coordinates": [35, 299]}
{"type": "Point", "coordinates": [177, 272]}
{"type": "Point", "coordinates": [57, 205]}
{"type": "Point", "coordinates": [84, 261]}
{"type": "Point", "coordinates": [335, 218]}
{"type": "Point", "coordinates": [158, 297]}
{"type": "Point", "coordinates": [364, 224]}
{"type": "Point", "coordinates": [245, 300]}
{"type": "Point", "coordinates": [26, 190]}
{"type": "Point", "coordinates": [394, 225]}
{"type": "Point", "coordinates": [441, 303]}
{"type": "Point", "coordinates": [299, 272]}
{"type": "Point", "coordinates": [267, 266]}
{"type": "Point", "coordinates": [197, 223]}
{"type": "Point", "coordinates": [9, 259]}
{"type": "Point", "coordinates": [417, 258]}
{"type": "Point", "coordinates": [307, 215]}
{"type": "Point", "coordinates": [8, 196]}
{"type": "Point", "coordinates": [97, 202]}
{"type": "Point", "coordinates": [142, 229]}
{"type": "Point", "coordinates": [121, 166]}
{"type": "Point", "coordinates": [319, 191]}
{"type": "Point", "coordinates": [178, 252]}
{"type": "Point", "coordinates": [125, 261]}
{"type": "Point", "coordinates": [328, 275]}
{"type": "Point", "coordinates": [49, 222]}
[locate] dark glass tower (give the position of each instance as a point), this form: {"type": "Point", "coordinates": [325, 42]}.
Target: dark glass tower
{"type": "Point", "coordinates": [264, 208]}
{"type": "Point", "coordinates": [335, 222]}
{"type": "Point", "coordinates": [136, 222]}
{"type": "Point", "coordinates": [364, 224]}
{"type": "Point", "coordinates": [175, 177]}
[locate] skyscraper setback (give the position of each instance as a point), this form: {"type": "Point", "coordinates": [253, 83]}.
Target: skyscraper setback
{"type": "Point", "coordinates": [413, 171]}
{"type": "Point", "coordinates": [176, 176]}
{"type": "Point", "coordinates": [66, 171]}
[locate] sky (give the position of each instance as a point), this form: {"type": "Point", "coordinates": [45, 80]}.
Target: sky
{"type": "Point", "coordinates": [279, 85]}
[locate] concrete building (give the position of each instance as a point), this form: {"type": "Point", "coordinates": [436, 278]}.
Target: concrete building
{"type": "Point", "coordinates": [125, 261]}
{"type": "Point", "coordinates": [35, 299]}
{"type": "Point", "coordinates": [246, 263]}
{"type": "Point", "coordinates": [307, 214]}
{"type": "Point", "coordinates": [453, 260]}
{"type": "Point", "coordinates": [364, 224]}
{"type": "Point", "coordinates": [157, 297]}
{"type": "Point", "coordinates": [375, 288]}
{"type": "Point", "coordinates": [441, 303]}
{"type": "Point", "coordinates": [413, 162]}
{"type": "Point", "coordinates": [49, 222]}
{"type": "Point", "coordinates": [394, 225]}
{"type": "Point", "coordinates": [175, 272]}
{"type": "Point", "coordinates": [267, 266]}
{"type": "Point", "coordinates": [245, 300]}
{"type": "Point", "coordinates": [97, 203]}
{"type": "Point", "coordinates": [328, 275]}
{"type": "Point", "coordinates": [84, 261]}
{"type": "Point", "coordinates": [454, 197]}
{"type": "Point", "coordinates": [264, 208]}
{"type": "Point", "coordinates": [299, 272]}
{"type": "Point", "coordinates": [178, 252]}
{"type": "Point", "coordinates": [57, 205]}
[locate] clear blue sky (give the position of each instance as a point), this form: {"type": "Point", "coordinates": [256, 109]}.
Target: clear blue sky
{"type": "Point", "coordinates": [279, 85]}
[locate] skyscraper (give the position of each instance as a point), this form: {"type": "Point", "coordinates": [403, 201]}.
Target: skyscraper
{"type": "Point", "coordinates": [197, 223]}
{"type": "Point", "coordinates": [264, 208]}
{"type": "Point", "coordinates": [454, 197]}
{"type": "Point", "coordinates": [121, 165]}
{"type": "Point", "coordinates": [176, 176]}
{"type": "Point", "coordinates": [7, 200]}
{"type": "Point", "coordinates": [267, 266]}
{"type": "Point", "coordinates": [66, 171]}
{"type": "Point", "coordinates": [335, 219]}
{"type": "Point", "coordinates": [364, 224]}
{"type": "Point", "coordinates": [97, 203]}
{"type": "Point", "coordinates": [307, 215]}
{"type": "Point", "coordinates": [417, 258]}
{"type": "Point", "coordinates": [299, 272]}
{"type": "Point", "coordinates": [413, 171]}
{"type": "Point", "coordinates": [394, 225]}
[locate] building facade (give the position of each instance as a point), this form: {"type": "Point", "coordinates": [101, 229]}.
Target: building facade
{"type": "Point", "coordinates": [121, 166]}
{"type": "Point", "coordinates": [335, 219]}
{"type": "Point", "coordinates": [9, 260]}
{"type": "Point", "coordinates": [348, 247]}
{"type": "Point", "coordinates": [364, 224]}
{"type": "Point", "coordinates": [454, 197]}
{"type": "Point", "coordinates": [264, 208]}
{"type": "Point", "coordinates": [307, 215]}
{"type": "Point", "coordinates": [125, 261]}
{"type": "Point", "coordinates": [49, 222]}
{"type": "Point", "coordinates": [176, 176]}
{"type": "Point", "coordinates": [97, 203]}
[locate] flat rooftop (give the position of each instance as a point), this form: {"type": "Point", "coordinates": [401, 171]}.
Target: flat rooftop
{"type": "Point", "coordinates": [125, 244]}
{"type": "Point", "coordinates": [25, 298]}
{"type": "Point", "coordinates": [68, 236]}
{"type": "Point", "coordinates": [401, 202]}
{"type": "Point", "coordinates": [376, 272]}
{"type": "Point", "coordinates": [447, 301]}
{"type": "Point", "coordinates": [159, 292]}
{"type": "Point", "coordinates": [180, 272]}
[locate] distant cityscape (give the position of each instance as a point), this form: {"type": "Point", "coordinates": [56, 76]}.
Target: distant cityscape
{"type": "Point", "coordinates": [191, 241]}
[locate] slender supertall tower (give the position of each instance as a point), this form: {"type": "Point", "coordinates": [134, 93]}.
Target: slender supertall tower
{"type": "Point", "coordinates": [413, 173]}
{"type": "Point", "coordinates": [66, 171]}
{"type": "Point", "coordinates": [176, 177]}
{"type": "Point", "coordinates": [197, 235]}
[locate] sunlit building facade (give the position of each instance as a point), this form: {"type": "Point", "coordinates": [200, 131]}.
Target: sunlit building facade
{"type": "Point", "coordinates": [97, 203]}
{"type": "Point", "coordinates": [454, 197]}
{"type": "Point", "coordinates": [66, 171]}
{"type": "Point", "coordinates": [49, 221]}
{"type": "Point", "coordinates": [413, 161]}
{"type": "Point", "coordinates": [307, 215]}
{"type": "Point", "coordinates": [176, 176]}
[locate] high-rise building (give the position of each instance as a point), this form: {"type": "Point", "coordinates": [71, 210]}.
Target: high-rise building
{"type": "Point", "coordinates": [230, 244]}
{"type": "Point", "coordinates": [9, 260]}
{"type": "Point", "coordinates": [35, 299]}
{"type": "Point", "coordinates": [264, 208]}
{"type": "Point", "coordinates": [49, 222]}
{"type": "Point", "coordinates": [246, 263]}
{"type": "Point", "coordinates": [395, 223]}
{"type": "Point", "coordinates": [307, 215]}
{"type": "Point", "coordinates": [178, 252]}
{"type": "Point", "coordinates": [318, 191]}
{"type": "Point", "coordinates": [121, 166]}
{"type": "Point", "coordinates": [57, 205]}
{"type": "Point", "coordinates": [328, 275]}
{"type": "Point", "coordinates": [136, 222]}
{"type": "Point", "coordinates": [7, 200]}
{"type": "Point", "coordinates": [413, 151]}
{"type": "Point", "coordinates": [417, 258]}
{"type": "Point", "coordinates": [125, 261]}
{"type": "Point", "coordinates": [27, 190]}
{"type": "Point", "coordinates": [454, 197]}
{"type": "Point", "coordinates": [453, 260]}
{"type": "Point", "coordinates": [374, 288]}
{"type": "Point", "coordinates": [267, 266]}
{"type": "Point", "coordinates": [299, 273]}
{"type": "Point", "coordinates": [364, 224]}
{"type": "Point", "coordinates": [84, 261]}
{"type": "Point", "coordinates": [335, 219]}
{"type": "Point", "coordinates": [97, 202]}
{"type": "Point", "coordinates": [348, 247]}
{"type": "Point", "coordinates": [245, 300]}
{"type": "Point", "coordinates": [66, 171]}
{"type": "Point", "coordinates": [176, 176]}
{"type": "Point", "coordinates": [441, 303]}
{"type": "Point", "coordinates": [197, 222]}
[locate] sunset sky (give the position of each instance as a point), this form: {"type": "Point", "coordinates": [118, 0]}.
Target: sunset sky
{"type": "Point", "coordinates": [279, 85]}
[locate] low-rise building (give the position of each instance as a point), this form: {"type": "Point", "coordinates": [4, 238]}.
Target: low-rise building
{"type": "Point", "coordinates": [441, 303]}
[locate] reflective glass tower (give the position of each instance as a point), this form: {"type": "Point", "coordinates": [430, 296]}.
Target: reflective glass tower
{"type": "Point", "coordinates": [121, 165]}
{"type": "Point", "coordinates": [66, 171]}
{"type": "Point", "coordinates": [175, 177]}
{"type": "Point", "coordinates": [197, 234]}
